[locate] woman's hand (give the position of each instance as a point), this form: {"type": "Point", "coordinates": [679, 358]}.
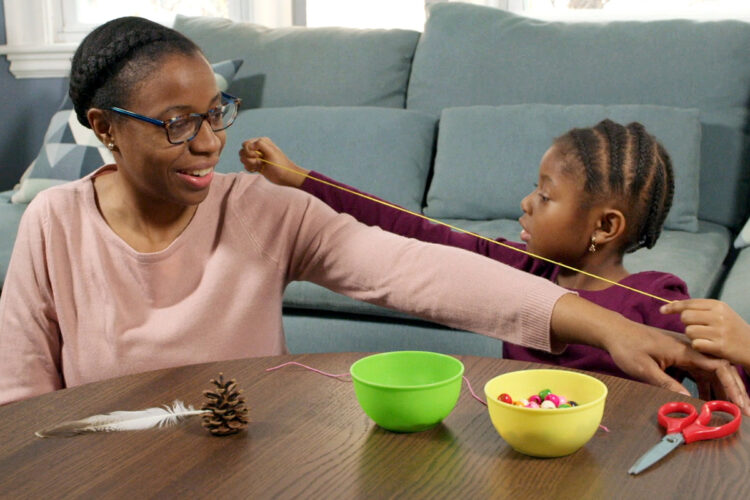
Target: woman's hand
{"type": "Point", "coordinates": [644, 352]}
{"type": "Point", "coordinates": [638, 355]}
{"type": "Point", "coordinates": [277, 168]}
{"type": "Point", "coordinates": [714, 328]}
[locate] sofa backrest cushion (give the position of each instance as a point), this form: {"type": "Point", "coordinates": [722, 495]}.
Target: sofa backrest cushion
{"type": "Point", "coordinates": [474, 55]}
{"type": "Point", "coordinates": [489, 179]}
{"type": "Point", "coordinates": [309, 66]}
{"type": "Point", "coordinates": [384, 151]}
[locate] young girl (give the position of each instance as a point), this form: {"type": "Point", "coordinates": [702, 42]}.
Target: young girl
{"type": "Point", "coordinates": [602, 192]}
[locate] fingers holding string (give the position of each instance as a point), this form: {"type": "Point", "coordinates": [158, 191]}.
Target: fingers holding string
{"type": "Point", "coordinates": [251, 156]}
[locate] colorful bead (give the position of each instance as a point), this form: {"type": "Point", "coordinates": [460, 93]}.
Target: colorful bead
{"type": "Point", "coordinates": [554, 398]}
{"type": "Point", "coordinates": [544, 399]}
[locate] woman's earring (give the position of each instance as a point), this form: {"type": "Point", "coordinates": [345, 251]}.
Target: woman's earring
{"type": "Point", "coordinates": [111, 146]}
{"type": "Point", "coordinates": [592, 246]}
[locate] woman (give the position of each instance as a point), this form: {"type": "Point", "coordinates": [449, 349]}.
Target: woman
{"type": "Point", "coordinates": [157, 261]}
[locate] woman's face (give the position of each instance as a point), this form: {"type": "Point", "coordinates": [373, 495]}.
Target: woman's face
{"type": "Point", "coordinates": [151, 167]}
{"type": "Point", "coordinates": [554, 223]}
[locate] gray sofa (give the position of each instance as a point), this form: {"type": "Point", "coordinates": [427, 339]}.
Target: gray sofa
{"type": "Point", "coordinates": [453, 121]}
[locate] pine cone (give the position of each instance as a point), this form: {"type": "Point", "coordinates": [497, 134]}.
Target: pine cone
{"type": "Point", "coordinates": [228, 411]}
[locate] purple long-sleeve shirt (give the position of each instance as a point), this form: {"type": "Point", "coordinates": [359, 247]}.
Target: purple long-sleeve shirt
{"type": "Point", "coordinates": [632, 305]}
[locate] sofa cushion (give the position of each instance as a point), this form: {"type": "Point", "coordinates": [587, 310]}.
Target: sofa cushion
{"type": "Point", "coordinates": [743, 239]}
{"type": "Point", "coordinates": [384, 151]}
{"type": "Point", "coordinates": [71, 151]}
{"type": "Point", "coordinates": [489, 179]}
{"type": "Point", "coordinates": [306, 331]}
{"type": "Point", "coordinates": [10, 218]}
{"type": "Point", "coordinates": [734, 290]}
{"type": "Point", "coordinates": [296, 66]}
{"type": "Point", "coordinates": [697, 257]}
{"type": "Point", "coordinates": [474, 55]}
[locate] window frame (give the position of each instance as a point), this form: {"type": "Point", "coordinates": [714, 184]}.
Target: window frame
{"type": "Point", "coordinates": [40, 45]}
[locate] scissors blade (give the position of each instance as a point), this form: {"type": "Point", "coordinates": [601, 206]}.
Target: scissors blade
{"type": "Point", "coordinates": [659, 451]}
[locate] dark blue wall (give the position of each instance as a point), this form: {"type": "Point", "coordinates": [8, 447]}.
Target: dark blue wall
{"type": "Point", "coordinates": [25, 109]}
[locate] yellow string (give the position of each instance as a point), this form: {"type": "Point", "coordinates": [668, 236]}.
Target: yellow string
{"type": "Point", "coordinates": [455, 228]}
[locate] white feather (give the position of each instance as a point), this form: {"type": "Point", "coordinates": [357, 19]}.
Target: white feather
{"type": "Point", "coordinates": [124, 421]}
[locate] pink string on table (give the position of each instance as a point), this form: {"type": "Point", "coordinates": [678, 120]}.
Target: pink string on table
{"type": "Point", "coordinates": [332, 375]}
{"type": "Point", "coordinates": [471, 390]}
{"type": "Point", "coordinates": [340, 376]}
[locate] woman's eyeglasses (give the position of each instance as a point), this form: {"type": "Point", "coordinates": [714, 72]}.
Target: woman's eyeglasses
{"type": "Point", "coordinates": [184, 128]}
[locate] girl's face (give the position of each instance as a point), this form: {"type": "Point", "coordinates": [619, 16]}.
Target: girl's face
{"type": "Point", "coordinates": [151, 167]}
{"type": "Point", "coordinates": [554, 223]}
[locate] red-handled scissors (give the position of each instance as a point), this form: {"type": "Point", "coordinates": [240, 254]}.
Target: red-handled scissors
{"type": "Point", "coordinates": [692, 427]}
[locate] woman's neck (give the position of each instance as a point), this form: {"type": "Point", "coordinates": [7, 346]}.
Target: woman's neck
{"type": "Point", "coordinates": [146, 225]}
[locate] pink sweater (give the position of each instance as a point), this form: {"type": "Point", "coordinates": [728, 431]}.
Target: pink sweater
{"type": "Point", "coordinates": [80, 305]}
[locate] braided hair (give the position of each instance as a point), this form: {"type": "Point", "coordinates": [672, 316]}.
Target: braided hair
{"type": "Point", "coordinates": [113, 58]}
{"type": "Point", "coordinates": [628, 165]}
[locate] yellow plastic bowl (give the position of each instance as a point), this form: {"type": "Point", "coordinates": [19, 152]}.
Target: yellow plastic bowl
{"type": "Point", "coordinates": [546, 432]}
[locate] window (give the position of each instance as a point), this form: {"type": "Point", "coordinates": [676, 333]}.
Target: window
{"type": "Point", "coordinates": [43, 34]}
{"type": "Point", "coordinates": [405, 14]}
{"type": "Point", "coordinates": [81, 16]}
{"type": "Point", "coordinates": [628, 9]}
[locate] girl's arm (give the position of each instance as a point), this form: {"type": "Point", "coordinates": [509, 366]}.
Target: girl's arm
{"type": "Point", "coordinates": [374, 211]}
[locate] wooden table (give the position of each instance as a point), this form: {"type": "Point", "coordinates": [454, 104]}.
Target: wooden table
{"type": "Point", "coordinates": [310, 439]}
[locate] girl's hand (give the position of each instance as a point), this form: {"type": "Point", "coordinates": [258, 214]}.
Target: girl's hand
{"type": "Point", "coordinates": [284, 172]}
{"type": "Point", "coordinates": [714, 328]}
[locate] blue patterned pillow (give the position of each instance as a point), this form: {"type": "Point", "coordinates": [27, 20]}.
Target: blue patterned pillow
{"type": "Point", "coordinates": [71, 151]}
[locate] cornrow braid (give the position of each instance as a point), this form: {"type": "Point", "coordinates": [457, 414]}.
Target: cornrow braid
{"type": "Point", "coordinates": [101, 72]}
{"type": "Point", "coordinates": [642, 148]}
{"type": "Point", "coordinates": [637, 170]}
{"type": "Point", "coordinates": [615, 139]}
{"type": "Point", "coordinates": [586, 144]}
{"type": "Point", "coordinates": [659, 201]}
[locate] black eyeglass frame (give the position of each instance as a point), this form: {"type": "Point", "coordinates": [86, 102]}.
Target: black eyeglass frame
{"type": "Point", "coordinates": [192, 116]}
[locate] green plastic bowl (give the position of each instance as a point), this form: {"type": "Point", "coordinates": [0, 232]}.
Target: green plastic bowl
{"type": "Point", "coordinates": [407, 391]}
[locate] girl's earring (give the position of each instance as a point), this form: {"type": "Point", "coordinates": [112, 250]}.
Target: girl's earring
{"type": "Point", "coordinates": [592, 246]}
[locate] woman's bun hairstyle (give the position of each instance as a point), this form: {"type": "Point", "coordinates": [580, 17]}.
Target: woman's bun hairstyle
{"type": "Point", "coordinates": [101, 74]}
